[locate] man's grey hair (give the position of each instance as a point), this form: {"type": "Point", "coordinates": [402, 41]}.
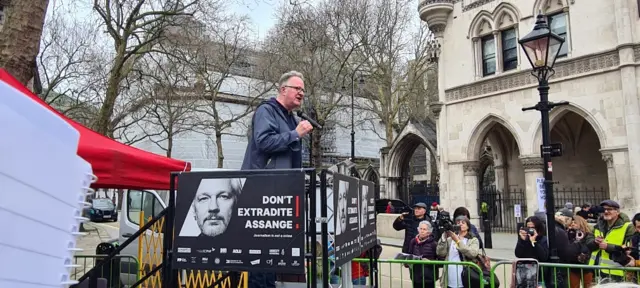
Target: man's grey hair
{"type": "Point", "coordinates": [236, 186]}
{"type": "Point", "coordinates": [429, 225]}
{"type": "Point", "coordinates": [286, 76]}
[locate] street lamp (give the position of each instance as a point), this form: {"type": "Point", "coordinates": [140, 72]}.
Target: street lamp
{"type": "Point", "coordinates": [542, 48]}
{"type": "Point", "coordinates": [353, 132]}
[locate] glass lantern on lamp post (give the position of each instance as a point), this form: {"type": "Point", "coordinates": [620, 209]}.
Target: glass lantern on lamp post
{"type": "Point", "coordinates": [542, 47]}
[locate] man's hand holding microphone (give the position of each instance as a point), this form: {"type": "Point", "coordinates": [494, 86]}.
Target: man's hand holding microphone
{"type": "Point", "coordinates": [304, 128]}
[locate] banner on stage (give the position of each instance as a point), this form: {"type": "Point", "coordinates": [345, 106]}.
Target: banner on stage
{"type": "Point", "coordinates": [247, 223]}
{"type": "Point", "coordinates": [354, 217]}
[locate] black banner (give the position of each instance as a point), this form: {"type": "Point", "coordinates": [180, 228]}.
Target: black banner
{"type": "Point", "coordinates": [240, 221]}
{"type": "Point", "coordinates": [347, 218]}
{"type": "Point", "coordinates": [367, 215]}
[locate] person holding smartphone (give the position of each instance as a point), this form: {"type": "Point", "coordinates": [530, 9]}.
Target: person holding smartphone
{"type": "Point", "coordinates": [579, 234]}
{"type": "Point", "coordinates": [532, 243]}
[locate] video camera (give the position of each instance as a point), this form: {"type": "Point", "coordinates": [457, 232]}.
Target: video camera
{"type": "Point", "coordinates": [444, 223]}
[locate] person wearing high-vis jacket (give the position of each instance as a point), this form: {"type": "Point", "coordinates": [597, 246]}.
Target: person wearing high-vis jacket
{"type": "Point", "coordinates": [611, 233]}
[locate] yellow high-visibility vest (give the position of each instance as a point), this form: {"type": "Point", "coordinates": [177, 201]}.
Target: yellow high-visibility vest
{"type": "Point", "coordinates": [616, 237]}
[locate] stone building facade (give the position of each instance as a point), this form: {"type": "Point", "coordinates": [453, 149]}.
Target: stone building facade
{"type": "Point", "coordinates": [485, 81]}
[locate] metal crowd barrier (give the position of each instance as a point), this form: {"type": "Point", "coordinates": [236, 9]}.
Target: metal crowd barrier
{"type": "Point", "coordinates": [122, 269]}
{"type": "Point", "coordinates": [399, 273]}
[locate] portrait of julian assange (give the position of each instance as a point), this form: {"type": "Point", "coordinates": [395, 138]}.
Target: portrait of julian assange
{"type": "Point", "coordinates": [213, 207]}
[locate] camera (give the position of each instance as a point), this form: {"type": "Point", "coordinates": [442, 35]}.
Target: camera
{"type": "Point", "coordinates": [444, 223]}
{"type": "Point", "coordinates": [531, 231]}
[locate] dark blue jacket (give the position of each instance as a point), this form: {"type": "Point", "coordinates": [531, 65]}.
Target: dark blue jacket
{"type": "Point", "coordinates": [273, 142]}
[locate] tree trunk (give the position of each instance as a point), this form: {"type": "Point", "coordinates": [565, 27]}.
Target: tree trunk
{"type": "Point", "coordinates": [20, 37]}
{"type": "Point", "coordinates": [103, 122]}
{"type": "Point", "coordinates": [388, 127]}
{"type": "Point", "coordinates": [316, 148]}
{"type": "Point", "coordinates": [120, 196]}
{"type": "Point", "coordinates": [169, 144]}
{"type": "Point", "coordinates": [219, 149]}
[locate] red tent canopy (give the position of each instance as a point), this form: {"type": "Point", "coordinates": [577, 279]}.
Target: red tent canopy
{"type": "Point", "coordinates": [115, 164]}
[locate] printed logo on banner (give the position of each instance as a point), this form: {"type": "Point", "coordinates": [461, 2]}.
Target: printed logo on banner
{"type": "Point", "coordinates": [251, 213]}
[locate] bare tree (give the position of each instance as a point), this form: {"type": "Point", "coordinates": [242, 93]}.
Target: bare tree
{"type": "Point", "coordinates": [230, 78]}
{"type": "Point", "coordinates": [170, 112]}
{"type": "Point", "coordinates": [70, 67]}
{"type": "Point", "coordinates": [317, 41]}
{"type": "Point", "coordinates": [20, 36]}
{"type": "Point", "coordinates": [134, 27]}
{"type": "Point", "coordinates": [395, 60]}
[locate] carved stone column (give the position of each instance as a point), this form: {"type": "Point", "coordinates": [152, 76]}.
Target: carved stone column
{"type": "Point", "coordinates": [533, 169]}
{"type": "Point", "coordinates": [607, 157]}
{"type": "Point", "coordinates": [384, 185]}
{"type": "Point", "coordinates": [471, 170]}
{"type": "Point", "coordinates": [500, 177]}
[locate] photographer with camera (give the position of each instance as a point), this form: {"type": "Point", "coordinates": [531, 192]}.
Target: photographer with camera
{"type": "Point", "coordinates": [579, 232]}
{"type": "Point", "coordinates": [457, 244]}
{"type": "Point", "coordinates": [409, 223]}
{"type": "Point", "coordinates": [462, 211]}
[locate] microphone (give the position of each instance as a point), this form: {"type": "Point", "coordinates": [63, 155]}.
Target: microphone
{"type": "Point", "coordinates": [313, 122]}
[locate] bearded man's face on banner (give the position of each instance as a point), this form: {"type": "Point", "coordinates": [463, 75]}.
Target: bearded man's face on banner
{"type": "Point", "coordinates": [214, 203]}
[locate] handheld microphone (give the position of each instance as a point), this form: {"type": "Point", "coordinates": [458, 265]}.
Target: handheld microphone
{"type": "Point", "coordinates": [313, 122]}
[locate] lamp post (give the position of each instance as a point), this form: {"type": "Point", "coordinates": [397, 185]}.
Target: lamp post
{"type": "Point", "coordinates": [541, 46]}
{"type": "Point", "coordinates": [353, 132]}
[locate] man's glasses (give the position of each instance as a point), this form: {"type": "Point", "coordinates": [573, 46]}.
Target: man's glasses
{"type": "Point", "coordinates": [299, 89]}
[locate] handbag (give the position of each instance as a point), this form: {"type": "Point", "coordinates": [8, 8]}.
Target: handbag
{"type": "Point", "coordinates": [471, 278]}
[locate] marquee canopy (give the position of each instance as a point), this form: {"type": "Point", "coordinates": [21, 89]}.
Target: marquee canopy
{"type": "Point", "coordinates": [115, 164]}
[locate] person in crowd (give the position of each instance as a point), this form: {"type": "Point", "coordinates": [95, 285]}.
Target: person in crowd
{"type": "Point", "coordinates": [566, 252]}
{"type": "Point", "coordinates": [634, 252]}
{"type": "Point", "coordinates": [610, 234]}
{"type": "Point", "coordinates": [586, 212]}
{"type": "Point", "coordinates": [579, 233]}
{"type": "Point", "coordinates": [389, 209]}
{"type": "Point", "coordinates": [409, 223]}
{"type": "Point", "coordinates": [275, 143]}
{"type": "Point", "coordinates": [462, 211]}
{"type": "Point", "coordinates": [424, 245]}
{"type": "Point", "coordinates": [569, 206]}
{"type": "Point", "coordinates": [457, 246]}
{"type": "Point", "coordinates": [360, 271]}
{"type": "Point", "coordinates": [532, 243]}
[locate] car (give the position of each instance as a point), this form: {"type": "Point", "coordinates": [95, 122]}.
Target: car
{"type": "Point", "coordinates": [102, 209]}
{"type": "Point", "coordinates": [398, 206]}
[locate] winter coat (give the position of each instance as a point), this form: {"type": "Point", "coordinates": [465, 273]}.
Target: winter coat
{"type": "Point", "coordinates": [410, 226]}
{"type": "Point", "coordinates": [427, 250]}
{"type": "Point", "coordinates": [470, 250]}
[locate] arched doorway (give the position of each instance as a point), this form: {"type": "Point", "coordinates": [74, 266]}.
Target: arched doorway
{"type": "Point", "coordinates": [371, 174]}
{"type": "Point", "coordinates": [580, 173]}
{"type": "Point", "coordinates": [500, 177]}
{"type": "Point", "coordinates": [398, 169]}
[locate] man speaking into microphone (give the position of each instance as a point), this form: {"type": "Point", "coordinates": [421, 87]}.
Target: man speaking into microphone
{"type": "Point", "coordinates": [275, 141]}
{"type": "Point", "coordinates": [275, 138]}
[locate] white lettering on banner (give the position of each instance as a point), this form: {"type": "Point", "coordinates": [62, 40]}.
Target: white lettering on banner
{"type": "Point", "coordinates": [262, 212]}
{"type": "Point", "coordinates": [276, 199]}
{"type": "Point", "coordinates": [269, 224]}
{"type": "Point", "coordinates": [352, 210]}
{"type": "Point", "coordinates": [353, 220]}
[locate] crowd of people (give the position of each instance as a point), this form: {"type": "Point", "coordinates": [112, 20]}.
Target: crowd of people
{"type": "Point", "coordinates": [600, 236]}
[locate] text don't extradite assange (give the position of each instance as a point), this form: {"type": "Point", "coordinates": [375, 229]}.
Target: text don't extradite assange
{"type": "Point", "coordinates": [277, 212]}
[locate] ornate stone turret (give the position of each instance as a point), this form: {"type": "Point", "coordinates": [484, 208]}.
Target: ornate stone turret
{"type": "Point", "coordinates": [435, 13]}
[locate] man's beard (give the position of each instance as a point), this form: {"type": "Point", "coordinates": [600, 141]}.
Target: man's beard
{"type": "Point", "coordinates": [213, 226]}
